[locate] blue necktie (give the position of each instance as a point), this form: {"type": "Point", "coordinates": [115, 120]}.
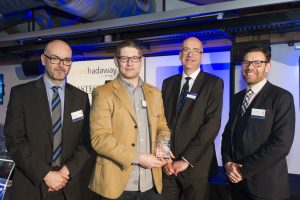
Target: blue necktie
{"type": "Point", "coordinates": [183, 93]}
{"type": "Point", "coordinates": [56, 126]}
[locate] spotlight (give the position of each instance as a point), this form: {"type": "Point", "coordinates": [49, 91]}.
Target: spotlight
{"type": "Point", "coordinates": [108, 38]}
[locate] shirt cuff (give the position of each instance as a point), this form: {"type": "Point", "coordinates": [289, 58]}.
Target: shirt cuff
{"type": "Point", "coordinates": [185, 160]}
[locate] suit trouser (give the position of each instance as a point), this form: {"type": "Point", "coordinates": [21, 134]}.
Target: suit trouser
{"type": "Point", "coordinates": [135, 195]}
{"type": "Point", "coordinates": [179, 189]}
{"type": "Point", "coordinates": [55, 196]}
{"type": "Point", "coordinates": [240, 191]}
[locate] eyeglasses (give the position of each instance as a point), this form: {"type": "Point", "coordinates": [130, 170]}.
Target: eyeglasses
{"type": "Point", "coordinates": [255, 63]}
{"type": "Point", "coordinates": [125, 59]}
{"type": "Point", "coordinates": [56, 60]}
{"type": "Point", "coordinates": [186, 51]}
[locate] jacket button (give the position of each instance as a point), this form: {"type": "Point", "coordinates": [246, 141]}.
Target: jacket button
{"type": "Point", "coordinates": [135, 126]}
{"type": "Point", "coordinates": [133, 144]}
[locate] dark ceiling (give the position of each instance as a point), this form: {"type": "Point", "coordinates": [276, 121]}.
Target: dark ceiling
{"type": "Point", "coordinates": [88, 29]}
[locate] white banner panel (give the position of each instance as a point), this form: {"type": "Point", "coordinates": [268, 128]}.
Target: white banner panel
{"type": "Point", "coordinates": [87, 75]}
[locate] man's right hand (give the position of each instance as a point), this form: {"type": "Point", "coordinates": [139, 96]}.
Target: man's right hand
{"type": "Point", "coordinates": [56, 180]}
{"type": "Point", "coordinates": [149, 161]}
{"type": "Point", "coordinates": [168, 167]}
{"type": "Point", "coordinates": [233, 172]}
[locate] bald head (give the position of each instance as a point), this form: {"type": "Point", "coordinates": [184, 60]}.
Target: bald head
{"type": "Point", "coordinates": [191, 55]}
{"type": "Point", "coordinates": [57, 59]}
{"type": "Point", "coordinates": [193, 40]}
{"type": "Point", "coordinates": [58, 44]}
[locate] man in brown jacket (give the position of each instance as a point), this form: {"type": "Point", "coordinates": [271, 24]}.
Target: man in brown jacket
{"type": "Point", "coordinates": [127, 120]}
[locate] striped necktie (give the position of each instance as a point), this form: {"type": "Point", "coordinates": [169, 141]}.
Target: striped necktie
{"type": "Point", "coordinates": [183, 93]}
{"type": "Point", "coordinates": [246, 101]}
{"type": "Point", "coordinates": [56, 126]}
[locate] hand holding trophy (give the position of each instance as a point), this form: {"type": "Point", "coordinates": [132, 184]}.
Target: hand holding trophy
{"type": "Point", "coordinates": [163, 147]}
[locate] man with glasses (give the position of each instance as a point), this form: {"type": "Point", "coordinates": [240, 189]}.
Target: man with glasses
{"type": "Point", "coordinates": [127, 121]}
{"type": "Point", "coordinates": [45, 124]}
{"type": "Point", "coordinates": [259, 133]}
{"type": "Point", "coordinates": [193, 106]}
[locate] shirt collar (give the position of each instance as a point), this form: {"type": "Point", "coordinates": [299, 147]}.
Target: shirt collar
{"type": "Point", "coordinates": [192, 75]}
{"type": "Point", "coordinates": [49, 84]}
{"type": "Point", "coordinates": [258, 86]}
{"type": "Point", "coordinates": [127, 84]}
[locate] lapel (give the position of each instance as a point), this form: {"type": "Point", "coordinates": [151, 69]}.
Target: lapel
{"type": "Point", "coordinates": [257, 102]}
{"type": "Point", "coordinates": [68, 106]}
{"type": "Point", "coordinates": [261, 97]}
{"type": "Point", "coordinates": [196, 89]}
{"type": "Point", "coordinates": [174, 93]}
{"type": "Point", "coordinates": [237, 110]}
{"type": "Point", "coordinates": [43, 106]}
{"type": "Point", "coordinates": [120, 91]}
{"type": "Point", "coordinates": [148, 92]}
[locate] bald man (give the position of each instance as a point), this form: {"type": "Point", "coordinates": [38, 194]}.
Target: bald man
{"type": "Point", "coordinates": [45, 124]}
{"type": "Point", "coordinates": [193, 105]}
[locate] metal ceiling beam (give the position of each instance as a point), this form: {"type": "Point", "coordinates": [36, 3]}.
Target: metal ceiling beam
{"type": "Point", "coordinates": [283, 21]}
{"type": "Point", "coordinates": [135, 21]}
{"type": "Point", "coordinates": [203, 2]}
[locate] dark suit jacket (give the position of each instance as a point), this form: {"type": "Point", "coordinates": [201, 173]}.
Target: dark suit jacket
{"type": "Point", "coordinates": [266, 141]}
{"type": "Point", "coordinates": [194, 131]}
{"type": "Point", "coordinates": [28, 131]}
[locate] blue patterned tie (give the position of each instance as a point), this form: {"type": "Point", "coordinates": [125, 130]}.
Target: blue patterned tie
{"type": "Point", "coordinates": [56, 126]}
{"type": "Point", "coordinates": [183, 93]}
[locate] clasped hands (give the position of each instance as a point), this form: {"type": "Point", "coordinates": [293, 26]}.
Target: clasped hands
{"type": "Point", "coordinates": [150, 161]}
{"type": "Point", "coordinates": [233, 172]}
{"type": "Point", "coordinates": [176, 167]}
{"type": "Point", "coordinates": [56, 180]}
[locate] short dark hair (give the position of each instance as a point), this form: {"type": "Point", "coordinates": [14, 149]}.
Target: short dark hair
{"type": "Point", "coordinates": [127, 43]}
{"type": "Point", "coordinates": [256, 48]}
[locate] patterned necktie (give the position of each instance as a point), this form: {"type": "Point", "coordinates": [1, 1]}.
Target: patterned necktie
{"type": "Point", "coordinates": [56, 126]}
{"type": "Point", "coordinates": [246, 101]}
{"type": "Point", "coordinates": [183, 93]}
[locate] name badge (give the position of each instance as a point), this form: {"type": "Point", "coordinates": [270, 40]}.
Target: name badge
{"type": "Point", "coordinates": [258, 113]}
{"type": "Point", "coordinates": [191, 95]}
{"type": "Point", "coordinates": [77, 115]}
{"type": "Point", "coordinates": [144, 104]}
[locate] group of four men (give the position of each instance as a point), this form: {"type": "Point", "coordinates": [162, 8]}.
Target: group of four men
{"type": "Point", "coordinates": [49, 124]}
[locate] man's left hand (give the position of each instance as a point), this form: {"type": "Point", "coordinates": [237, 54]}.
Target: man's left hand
{"type": "Point", "coordinates": [65, 170]}
{"type": "Point", "coordinates": [179, 166]}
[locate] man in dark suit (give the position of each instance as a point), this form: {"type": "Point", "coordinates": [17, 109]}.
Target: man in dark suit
{"type": "Point", "coordinates": [259, 133]}
{"type": "Point", "coordinates": [45, 125]}
{"type": "Point", "coordinates": [193, 105]}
